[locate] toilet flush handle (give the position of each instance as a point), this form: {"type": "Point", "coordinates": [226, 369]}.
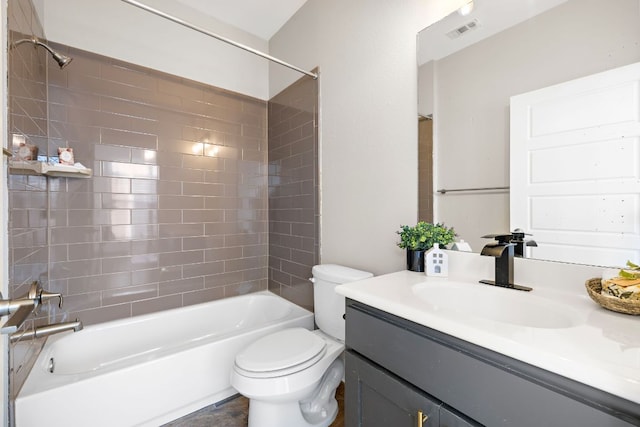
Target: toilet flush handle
{"type": "Point", "coordinates": [312, 280]}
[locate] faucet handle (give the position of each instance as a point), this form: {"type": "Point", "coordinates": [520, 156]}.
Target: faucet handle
{"type": "Point", "coordinates": [519, 235]}
{"type": "Point", "coordinates": [501, 237]}
{"type": "Point", "coordinates": [46, 295]}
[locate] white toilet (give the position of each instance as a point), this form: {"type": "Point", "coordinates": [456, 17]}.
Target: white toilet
{"type": "Point", "coordinates": [291, 376]}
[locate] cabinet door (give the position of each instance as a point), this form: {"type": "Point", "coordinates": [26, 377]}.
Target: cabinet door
{"type": "Point", "coordinates": [452, 419]}
{"type": "Point", "coordinates": [374, 397]}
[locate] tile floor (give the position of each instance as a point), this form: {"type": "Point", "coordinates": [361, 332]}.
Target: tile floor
{"type": "Point", "coordinates": [234, 413]}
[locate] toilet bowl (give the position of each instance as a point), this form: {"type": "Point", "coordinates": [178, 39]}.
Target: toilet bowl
{"type": "Point", "coordinates": [280, 370]}
{"type": "Point", "coordinates": [291, 376]}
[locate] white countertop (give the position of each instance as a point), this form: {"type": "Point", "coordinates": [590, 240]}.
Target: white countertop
{"type": "Point", "coordinates": [599, 348]}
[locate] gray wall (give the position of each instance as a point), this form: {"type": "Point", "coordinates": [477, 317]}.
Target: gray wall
{"type": "Point", "coordinates": [293, 191]}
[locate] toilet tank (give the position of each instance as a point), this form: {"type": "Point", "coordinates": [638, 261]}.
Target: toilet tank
{"type": "Point", "coordinates": [328, 305]}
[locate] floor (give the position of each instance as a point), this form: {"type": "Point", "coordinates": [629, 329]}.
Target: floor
{"type": "Point", "coordinates": [234, 413]}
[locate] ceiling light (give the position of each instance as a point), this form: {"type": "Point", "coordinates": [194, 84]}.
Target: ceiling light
{"type": "Point", "coordinates": [466, 9]}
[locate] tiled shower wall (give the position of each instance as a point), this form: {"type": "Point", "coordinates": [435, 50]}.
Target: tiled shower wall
{"type": "Point", "coordinates": [176, 212]}
{"type": "Point", "coordinates": [293, 191]}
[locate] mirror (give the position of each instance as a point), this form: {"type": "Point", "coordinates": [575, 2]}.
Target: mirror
{"type": "Point", "coordinates": [470, 66]}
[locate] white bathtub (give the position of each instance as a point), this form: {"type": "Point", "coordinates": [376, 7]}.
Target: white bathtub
{"type": "Point", "coordinates": [148, 370]}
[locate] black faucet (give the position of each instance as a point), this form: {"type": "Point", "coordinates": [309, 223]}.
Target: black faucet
{"type": "Point", "coordinates": [503, 250]}
{"type": "Point", "coordinates": [518, 238]}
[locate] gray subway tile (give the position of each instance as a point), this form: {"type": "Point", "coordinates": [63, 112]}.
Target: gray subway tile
{"type": "Point", "coordinates": [102, 314]}
{"type": "Point", "coordinates": [203, 269]}
{"type": "Point", "coordinates": [180, 202]}
{"type": "Point", "coordinates": [84, 234]}
{"type": "Point", "coordinates": [221, 254]}
{"type": "Point", "coordinates": [129, 139]}
{"type": "Point", "coordinates": [156, 246]}
{"type": "Point", "coordinates": [203, 215]}
{"type": "Point", "coordinates": [203, 242]}
{"type": "Point", "coordinates": [144, 216]}
{"type": "Point", "coordinates": [129, 232]}
{"type": "Point", "coordinates": [154, 305]}
{"type": "Point", "coordinates": [223, 279]}
{"type": "Point", "coordinates": [112, 153]}
{"type": "Point", "coordinates": [203, 295]}
{"type": "Point", "coordinates": [129, 170]}
{"type": "Point", "coordinates": [181, 286]}
{"type": "Point", "coordinates": [111, 185]}
{"type": "Point", "coordinates": [69, 269]}
{"type": "Point", "coordinates": [80, 217]}
{"type": "Point", "coordinates": [129, 201]}
{"type": "Point", "coordinates": [129, 294]}
{"type": "Point", "coordinates": [86, 301]}
{"type": "Point", "coordinates": [180, 230]}
{"type": "Point", "coordinates": [180, 258]}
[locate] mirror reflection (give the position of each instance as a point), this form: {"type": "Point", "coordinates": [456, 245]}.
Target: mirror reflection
{"type": "Point", "coordinates": [469, 68]}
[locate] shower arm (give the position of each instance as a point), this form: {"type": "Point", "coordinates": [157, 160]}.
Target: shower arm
{"type": "Point", "coordinates": [35, 42]}
{"type": "Point", "coordinates": [61, 59]}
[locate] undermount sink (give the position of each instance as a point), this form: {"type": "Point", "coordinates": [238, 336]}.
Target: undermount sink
{"type": "Point", "coordinates": [497, 304]}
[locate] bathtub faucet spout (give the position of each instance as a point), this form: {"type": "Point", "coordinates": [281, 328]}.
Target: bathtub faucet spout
{"type": "Point", "coordinates": [45, 331]}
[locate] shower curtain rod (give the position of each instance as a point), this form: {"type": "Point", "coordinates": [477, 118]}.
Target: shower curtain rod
{"type": "Point", "coordinates": [217, 36]}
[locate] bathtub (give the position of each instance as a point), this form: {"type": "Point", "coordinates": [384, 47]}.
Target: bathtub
{"type": "Point", "coordinates": [148, 370]}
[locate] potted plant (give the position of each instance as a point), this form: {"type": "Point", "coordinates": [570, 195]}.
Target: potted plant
{"type": "Point", "coordinates": [420, 238]}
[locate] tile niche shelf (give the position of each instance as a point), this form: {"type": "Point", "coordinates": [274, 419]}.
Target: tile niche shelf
{"type": "Point", "coordinates": [54, 170]}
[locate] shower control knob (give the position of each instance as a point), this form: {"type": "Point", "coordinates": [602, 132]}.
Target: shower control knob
{"type": "Point", "coordinates": [46, 295]}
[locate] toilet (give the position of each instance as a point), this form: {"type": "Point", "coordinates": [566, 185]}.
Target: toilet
{"type": "Point", "coordinates": [291, 376]}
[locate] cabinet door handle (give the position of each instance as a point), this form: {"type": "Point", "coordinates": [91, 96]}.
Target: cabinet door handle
{"type": "Point", "coordinates": [422, 418]}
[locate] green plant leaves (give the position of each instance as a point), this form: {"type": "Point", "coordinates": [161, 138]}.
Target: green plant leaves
{"type": "Point", "coordinates": [424, 235]}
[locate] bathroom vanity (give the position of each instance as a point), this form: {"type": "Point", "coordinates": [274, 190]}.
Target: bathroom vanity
{"type": "Point", "coordinates": [410, 362]}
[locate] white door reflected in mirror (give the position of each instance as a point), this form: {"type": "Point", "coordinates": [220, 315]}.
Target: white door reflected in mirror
{"type": "Point", "coordinates": [575, 167]}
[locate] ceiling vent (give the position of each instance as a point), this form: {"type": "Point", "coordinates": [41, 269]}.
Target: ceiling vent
{"type": "Point", "coordinates": [469, 26]}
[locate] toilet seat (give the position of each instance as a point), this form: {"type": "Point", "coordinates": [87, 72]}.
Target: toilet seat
{"type": "Point", "coordinates": [282, 353]}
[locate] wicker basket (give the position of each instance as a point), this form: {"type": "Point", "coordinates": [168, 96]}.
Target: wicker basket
{"type": "Point", "coordinates": [594, 286]}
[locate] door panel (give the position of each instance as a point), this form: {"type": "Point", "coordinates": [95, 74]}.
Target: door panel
{"type": "Point", "coordinates": [377, 398]}
{"type": "Point", "coordinates": [575, 168]}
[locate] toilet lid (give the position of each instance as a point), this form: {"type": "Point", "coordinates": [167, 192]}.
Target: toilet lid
{"type": "Point", "coordinates": [280, 350]}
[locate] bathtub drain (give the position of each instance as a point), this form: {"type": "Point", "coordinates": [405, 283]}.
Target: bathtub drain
{"type": "Point", "coordinates": [51, 365]}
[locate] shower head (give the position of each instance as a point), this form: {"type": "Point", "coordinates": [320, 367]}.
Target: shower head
{"type": "Point", "coordinates": [61, 59]}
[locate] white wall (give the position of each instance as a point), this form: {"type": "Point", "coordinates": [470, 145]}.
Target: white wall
{"type": "Point", "coordinates": [366, 52]}
{"type": "Point", "coordinates": [118, 30]}
{"type": "Point", "coordinates": [425, 89]}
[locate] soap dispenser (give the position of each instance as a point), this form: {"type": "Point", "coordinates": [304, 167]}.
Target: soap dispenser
{"type": "Point", "coordinates": [436, 262]}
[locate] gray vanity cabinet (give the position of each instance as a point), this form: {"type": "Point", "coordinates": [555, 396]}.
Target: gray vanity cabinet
{"type": "Point", "coordinates": [395, 368]}
{"type": "Point", "coordinates": [377, 398]}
